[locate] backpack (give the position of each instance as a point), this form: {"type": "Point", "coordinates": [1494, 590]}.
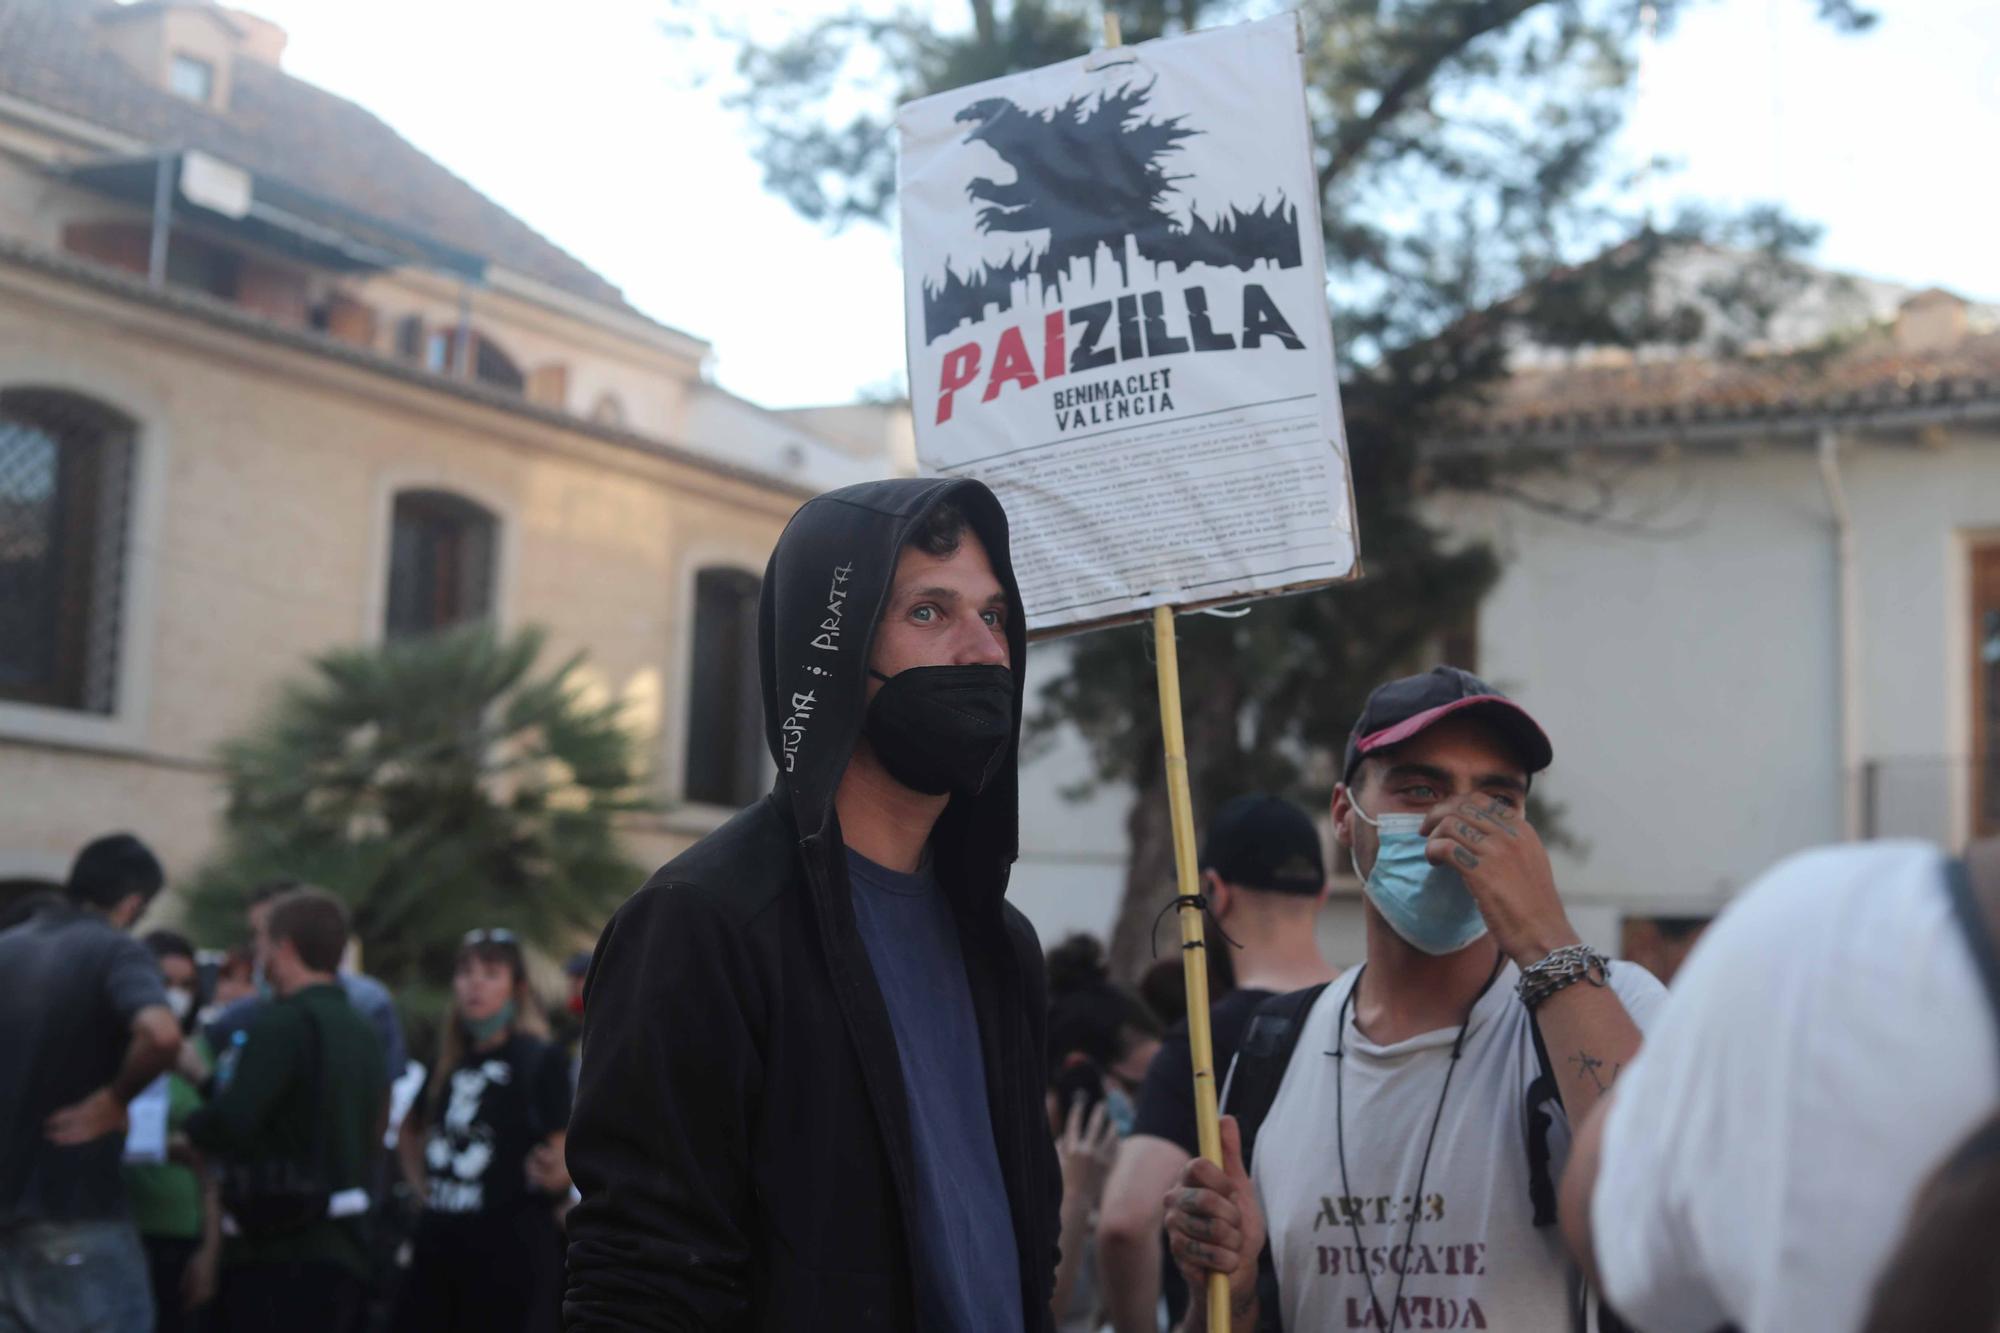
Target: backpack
{"type": "Point", "coordinates": [1252, 1086]}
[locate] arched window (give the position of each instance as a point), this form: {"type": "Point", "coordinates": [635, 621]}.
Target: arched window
{"type": "Point", "coordinates": [65, 491]}
{"type": "Point", "coordinates": [725, 751]}
{"type": "Point", "coordinates": [441, 558]}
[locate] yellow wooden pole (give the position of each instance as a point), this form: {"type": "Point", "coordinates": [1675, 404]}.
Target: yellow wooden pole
{"type": "Point", "coordinates": [1194, 949]}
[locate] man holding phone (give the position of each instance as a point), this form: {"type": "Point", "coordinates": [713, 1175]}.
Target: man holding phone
{"type": "Point", "coordinates": [1102, 1041]}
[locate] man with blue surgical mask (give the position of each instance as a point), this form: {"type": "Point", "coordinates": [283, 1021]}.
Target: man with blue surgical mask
{"type": "Point", "coordinates": [1392, 1138]}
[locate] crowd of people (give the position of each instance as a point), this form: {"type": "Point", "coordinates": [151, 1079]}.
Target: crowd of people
{"type": "Point", "coordinates": [829, 1079]}
{"type": "Point", "coordinates": [184, 1152]}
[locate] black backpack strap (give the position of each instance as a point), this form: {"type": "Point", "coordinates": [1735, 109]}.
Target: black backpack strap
{"type": "Point", "coordinates": [1977, 929]}
{"type": "Point", "coordinates": [1541, 1117]}
{"type": "Point", "coordinates": [1254, 1077]}
{"type": "Point", "coordinates": [1262, 1058]}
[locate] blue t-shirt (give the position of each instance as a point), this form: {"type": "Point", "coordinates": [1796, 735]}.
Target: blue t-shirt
{"type": "Point", "coordinates": [964, 1227]}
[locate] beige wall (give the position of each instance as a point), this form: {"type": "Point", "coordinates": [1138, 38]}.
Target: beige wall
{"type": "Point", "coordinates": [652, 371]}
{"type": "Point", "coordinates": [261, 535]}
{"type": "Point", "coordinates": [651, 383]}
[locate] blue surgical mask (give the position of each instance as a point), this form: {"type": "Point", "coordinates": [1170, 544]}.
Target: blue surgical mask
{"type": "Point", "coordinates": [1120, 1111]}
{"type": "Point", "coordinates": [485, 1029]}
{"type": "Point", "coordinates": [1429, 906]}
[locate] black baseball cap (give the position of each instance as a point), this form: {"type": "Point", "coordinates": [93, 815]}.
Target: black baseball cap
{"type": "Point", "coordinates": [1264, 842]}
{"type": "Point", "coordinates": [1404, 708]}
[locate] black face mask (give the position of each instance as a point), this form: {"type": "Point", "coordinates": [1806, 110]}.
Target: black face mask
{"type": "Point", "coordinates": [940, 729]}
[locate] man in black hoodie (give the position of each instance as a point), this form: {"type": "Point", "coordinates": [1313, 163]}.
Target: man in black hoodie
{"type": "Point", "coordinates": [811, 1092]}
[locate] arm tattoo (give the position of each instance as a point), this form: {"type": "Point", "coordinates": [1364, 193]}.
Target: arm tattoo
{"type": "Point", "coordinates": [1465, 858]}
{"type": "Point", "coordinates": [1592, 1068]}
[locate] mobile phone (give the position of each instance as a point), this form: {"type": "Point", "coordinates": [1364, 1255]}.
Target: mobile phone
{"type": "Point", "coordinates": [1079, 1078]}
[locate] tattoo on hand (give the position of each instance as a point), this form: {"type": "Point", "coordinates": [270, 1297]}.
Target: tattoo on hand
{"type": "Point", "coordinates": [1465, 858]}
{"type": "Point", "coordinates": [1594, 1068]}
{"type": "Point", "coordinates": [1502, 813]}
{"type": "Point", "coordinates": [1470, 833]}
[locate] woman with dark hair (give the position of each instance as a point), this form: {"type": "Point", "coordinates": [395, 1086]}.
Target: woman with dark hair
{"type": "Point", "coordinates": [486, 1156]}
{"type": "Point", "coordinates": [1102, 1037]}
{"type": "Point", "coordinates": [1093, 1019]}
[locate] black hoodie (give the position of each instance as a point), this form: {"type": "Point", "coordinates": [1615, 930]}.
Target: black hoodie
{"type": "Point", "coordinates": [741, 1132]}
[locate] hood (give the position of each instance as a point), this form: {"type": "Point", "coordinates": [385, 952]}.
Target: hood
{"type": "Point", "coordinates": [823, 595]}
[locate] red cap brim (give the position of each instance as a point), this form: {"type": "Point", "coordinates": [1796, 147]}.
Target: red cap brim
{"type": "Point", "coordinates": [1523, 729]}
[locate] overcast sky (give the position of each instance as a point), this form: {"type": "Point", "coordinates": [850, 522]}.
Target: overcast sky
{"type": "Point", "coordinates": [590, 122]}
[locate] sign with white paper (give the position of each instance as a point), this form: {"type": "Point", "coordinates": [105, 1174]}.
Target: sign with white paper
{"type": "Point", "coordinates": [146, 1124]}
{"type": "Point", "coordinates": [1115, 286]}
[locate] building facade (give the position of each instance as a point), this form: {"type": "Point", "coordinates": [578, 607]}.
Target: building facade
{"type": "Point", "coordinates": [272, 381]}
{"type": "Point", "coordinates": [1752, 592]}
{"type": "Point", "coordinates": [1756, 601]}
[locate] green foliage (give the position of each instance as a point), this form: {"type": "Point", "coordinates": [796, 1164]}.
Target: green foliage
{"type": "Point", "coordinates": [1463, 151]}
{"type": "Point", "coordinates": [435, 785]}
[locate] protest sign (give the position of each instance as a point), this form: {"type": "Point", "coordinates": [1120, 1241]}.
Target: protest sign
{"type": "Point", "coordinates": [1116, 294]}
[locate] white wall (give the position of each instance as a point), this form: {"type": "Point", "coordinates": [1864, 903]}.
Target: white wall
{"type": "Point", "coordinates": [1917, 510]}
{"type": "Point", "coordinates": [1688, 676]}
{"type": "Point", "coordinates": [1071, 874]}
{"type": "Point", "coordinates": [1690, 681]}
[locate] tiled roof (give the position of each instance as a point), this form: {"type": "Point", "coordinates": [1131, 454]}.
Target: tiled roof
{"type": "Point", "coordinates": [1869, 376]}
{"type": "Point", "coordinates": [276, 126]}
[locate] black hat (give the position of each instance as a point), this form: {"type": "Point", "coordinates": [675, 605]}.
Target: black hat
{"type": "Point", "coordinates": [1403, 708]}
{"type": "Point", "coordinates": [1264, 842]}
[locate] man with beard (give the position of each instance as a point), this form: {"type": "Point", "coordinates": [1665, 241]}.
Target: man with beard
{"type": "Point", "coordinates": [1397, 1133]}
{"type": "Point", "coordinates": [811, 1092]}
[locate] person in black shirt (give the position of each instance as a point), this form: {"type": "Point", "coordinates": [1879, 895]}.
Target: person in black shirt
{"type": "Point", "coordinates": [1265, 879]}
{"type": "Point", "coordinates": [814, 1054]}
{"type": "Point", "coordinates": [487, 1157]}
{"type": "Point", "coordinates": [84, 1026]}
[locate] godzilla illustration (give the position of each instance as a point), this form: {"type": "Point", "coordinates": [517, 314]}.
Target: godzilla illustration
{"type": "Point", "coordinates": [1089, 178]}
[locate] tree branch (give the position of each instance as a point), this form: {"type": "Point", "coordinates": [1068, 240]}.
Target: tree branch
{"type": "Point", "coordinates": [1354, 139]}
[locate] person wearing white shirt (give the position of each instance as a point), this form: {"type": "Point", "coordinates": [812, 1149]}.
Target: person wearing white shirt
{"type": "Point", "coordinates": [1828, 1044]}
{"type": "Point", "coordinates": [1392, 1171]}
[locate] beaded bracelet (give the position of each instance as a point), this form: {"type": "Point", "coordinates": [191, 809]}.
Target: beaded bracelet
{"type": "Point", "coordinates": [1563, 968]}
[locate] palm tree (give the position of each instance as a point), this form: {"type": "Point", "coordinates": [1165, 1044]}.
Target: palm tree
{"type": "Point", "coordinates": [435, 785]}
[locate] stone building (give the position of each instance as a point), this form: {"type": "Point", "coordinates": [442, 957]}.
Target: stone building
{"type": "Point", "coordinates": [272, 381]}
